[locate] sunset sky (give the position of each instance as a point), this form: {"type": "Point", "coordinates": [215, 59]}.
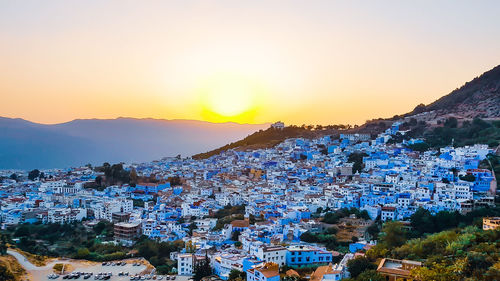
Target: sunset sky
{"type": "Point", "coordinates": [312, 62]}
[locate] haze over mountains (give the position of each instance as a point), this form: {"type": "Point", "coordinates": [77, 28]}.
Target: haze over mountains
{"type": "Point", "coordinates": [28, 145]}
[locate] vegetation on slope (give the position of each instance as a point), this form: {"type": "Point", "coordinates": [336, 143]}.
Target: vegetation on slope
{"type": "Point", "coordinates": [76, 241]}
{"type": "Point", "coordinates": [459, 254]}
{"type": "Point", "coordinates": [451, 132]}
{"type": "Point", "coordinates": [451, 246]}
{"type": "Point", "coordinates": [10, 269]}
{"type": "Point", "coordinates": [269, 138]}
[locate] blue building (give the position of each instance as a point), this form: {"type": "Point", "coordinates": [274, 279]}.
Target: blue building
{"type": "Point", "coordinates": [303, 255]}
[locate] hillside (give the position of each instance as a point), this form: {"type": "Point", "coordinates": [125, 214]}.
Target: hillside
{"type": "Point", "coordinates": [271, 137]}
{"type": "Point", "coordinates": [28, 145]}
{"type": "Point", "coordinates": [268, 138]}
{"type": "Point", "coordinates": [477, 98]}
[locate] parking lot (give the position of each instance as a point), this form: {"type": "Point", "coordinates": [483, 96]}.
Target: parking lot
{"type": "Point", "coordinates": [86, 270]}
{"type": "Point", "coordinates": [107, 271]}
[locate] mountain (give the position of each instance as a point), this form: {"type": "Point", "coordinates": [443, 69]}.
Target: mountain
{"type": "Point", "coordinates": [28, 145]}
{"type": "Point", "coordinates": [477, 98]}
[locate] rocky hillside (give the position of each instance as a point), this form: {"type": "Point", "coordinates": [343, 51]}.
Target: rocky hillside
{"type": "Point", "coordinates": [477, 98]}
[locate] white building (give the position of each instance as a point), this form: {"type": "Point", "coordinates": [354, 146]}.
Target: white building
{"type": "Point", "coordinates": [276, 254]}
{"type": "Point", "coordinates": [185, 264]}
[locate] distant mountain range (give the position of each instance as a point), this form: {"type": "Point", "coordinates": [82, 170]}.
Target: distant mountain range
{"type": "Point", "coordinates": [28, 145]}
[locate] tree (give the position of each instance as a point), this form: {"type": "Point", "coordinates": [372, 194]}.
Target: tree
{"type": "Point", "coordinates": [373, 230]}
{"type": "Point", "coordinates": [370, 275]}
{"type": "Point", "coordinates": [436, 272]}
{"type": "Point", "coordinates": [468, 177]}
{"type": "Point", "coordinates": [308, 237]}
{"type": "Point", "coordinates": [359, 265]}
{"type": "Point", "coordinates": [357, 159]}
{"type": "Point", "coordinates": [3, 244]}
{"type": "Point", "coordinates": [33, 174]}
{"type": "Point", "coordinates": [393, 234]}
{"type": "Point", "coordinates": [82, 253]}
{"type": "Point", "coordinates": [237, 275]}
{"type": "Point", "coordinates": [190, 247]}
{"type": "Point", "coordinates": [6, 274]}
{"type": "Point", "coordinates": [235, 235]}
{"type": "Point", "coordinates": [451, 122]}
{"type": "Point", "coordinates": [133, 177]}
{"type": "Point", "coordinates": [98, 180]}
{"type": "Point", "coordinates": [419, 146]}
{"type": "Point", "coordinates": [13, 176]}
{"type": "Point", "coordinates": [202, 269]}
{"type": "Point", "coordinates": [148, 249]}
{"type": "Point", "coordinates": [192, 226]}
{"type": "Point", "coordinates": [251, 219]}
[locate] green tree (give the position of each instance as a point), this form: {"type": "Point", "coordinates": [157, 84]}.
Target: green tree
{"type": "Point", "coordinates": [373, 230]}
{"type": "Point", "coordinates": [13, 176]}
{"type": "Point", "coordinates": [133, 177]}
{"type": "Point", "coordinates": [357, 159]}
{"type": "Point", "coordinates": [468, 177]}
{"type": "Point", "coordinates": [6, 274]}
{"type": "Point", "coordinates": [192, 226]}
{"type": "Point", "coordinates": [359, 265]}
{"type": "Point", "coordinates": [451, 122]}
{"type": "Point", "coordinates": [393, 234]}
{"type": "Point", "coordinates": [370, 275]}
{"type": "Point", "coordinates": [421, 146]}
{"type": "Point", "coordinates": [235, 235]}
{"type": "Point", "coordinates": [82, 253]}
{"type": "Point", "coordinates": [236, 274]}
{"type": "Point", "coordinates": [3, 244]}
{"type": "Point", "coordinates": [435, 272]}
{"type": "Point", "coordinates": [33, 174]}
{"type": "Point", "coordinates": [202, 269]}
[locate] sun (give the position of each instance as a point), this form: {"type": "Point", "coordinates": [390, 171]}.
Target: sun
{"type": "Point", "coordinates": [228, 98]}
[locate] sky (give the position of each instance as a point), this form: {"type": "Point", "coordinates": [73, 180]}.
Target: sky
{"type": "Point", "coordinates": [301, 62]}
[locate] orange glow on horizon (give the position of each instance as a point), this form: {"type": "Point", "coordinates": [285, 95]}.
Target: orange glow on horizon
{"type": "Point", "coordinates": [321, 62]}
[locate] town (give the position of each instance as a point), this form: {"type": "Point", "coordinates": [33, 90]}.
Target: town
{"type": "Point", "coordinates": [256, 211]}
